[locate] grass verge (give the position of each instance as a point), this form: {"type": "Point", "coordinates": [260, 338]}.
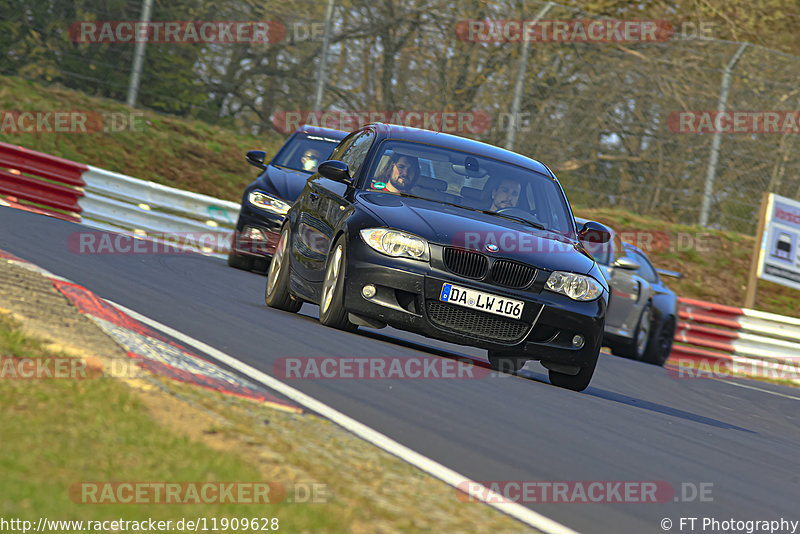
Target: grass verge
{"type": "Point", "coordinates": [57, 433]}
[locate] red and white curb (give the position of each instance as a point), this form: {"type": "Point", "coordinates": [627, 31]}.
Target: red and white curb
{"type": "Point", "coordinates": [474, 490]}
{"type": "Point", "coordinates": [152, 351]}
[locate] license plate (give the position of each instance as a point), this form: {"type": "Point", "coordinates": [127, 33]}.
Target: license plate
{"type": "Point", "coordinates": [478, 300]}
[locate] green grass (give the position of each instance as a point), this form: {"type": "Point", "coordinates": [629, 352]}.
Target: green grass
{"type": "Point", "coordinates": [188, 154]}
{"type": "Point", "coordinates": [57, 433]}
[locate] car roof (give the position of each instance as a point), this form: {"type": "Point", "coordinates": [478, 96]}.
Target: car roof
{"type": "Point", "coordinates": [418, 135]}
{"type": "Point", "coordinates": [319, 130]}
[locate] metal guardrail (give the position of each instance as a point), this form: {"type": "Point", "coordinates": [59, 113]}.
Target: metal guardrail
{"type": "Point", "coordinates": [754, 342]}
{"type": "Point", "coordinates": [118, 202]}
{"type": "Point", "coordinates": [115, 202]}
{"type": "Point", "coordinates": [45, 183]}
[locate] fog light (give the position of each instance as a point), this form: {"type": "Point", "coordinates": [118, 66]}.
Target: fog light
{"type": "Point", "coordinates": [368, 291]}
{"type": "Point", "coordinates": [577, 341]}
{"type": "Point", "coordinates": [254, 234]}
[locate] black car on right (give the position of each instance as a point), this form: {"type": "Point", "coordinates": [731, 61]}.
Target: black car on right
{"type": "Point", "coordinates": [642, 311]}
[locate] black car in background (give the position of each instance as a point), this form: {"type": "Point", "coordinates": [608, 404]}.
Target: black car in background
{"type": "Point", "coordinates": [267, 199]}
{"type": "Point", "coordinates": [642, 312]}
{"type": "Point", "coordinates": [431, 259]}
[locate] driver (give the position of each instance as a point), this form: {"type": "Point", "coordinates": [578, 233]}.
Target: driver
{"type": "Point", "coordinates": [399, 175]}
{"type": "Point", "coordinates": [505, 195]}
{"type": "Point", "coordinates": [310, 160]}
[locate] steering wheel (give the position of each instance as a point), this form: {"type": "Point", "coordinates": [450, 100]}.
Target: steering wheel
{"type": "Point", "coordinates": [518, 212]}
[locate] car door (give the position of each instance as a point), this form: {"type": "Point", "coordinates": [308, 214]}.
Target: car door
{"type": "Point", "coordinates": [326, 206]}
{"type": "Point", "coordinates": [664, 299]}
{"type": "Point", "coordinates": [309, 234]}
{"type": "Point", "coordinates": [628, 288]}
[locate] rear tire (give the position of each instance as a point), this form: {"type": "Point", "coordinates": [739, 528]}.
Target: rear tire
{"type": "Point", "coordinates": [577, 382]}
{"type": "Point", "coordinates": [331, 304]}
{"type": "Point", "coordinates": [660, 346]}
{"type": "Point", "coordinates": [636, 348]}
{"type": "Point", "coordinates": [505, 362]}
{"type": "Point", "coordinates": [276, 294]}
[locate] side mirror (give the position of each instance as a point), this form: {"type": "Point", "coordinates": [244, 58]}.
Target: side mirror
{"type": "Point", "coordinates": [335, 170]}
{"type": "Point", "coordinates": [594, 232]}
{"type": "Point", "coordinates": [626, 263]}
{"type": "Point", "coordinates": [256, 158]}
{"type": "Point", "coordinates": [673, 274]}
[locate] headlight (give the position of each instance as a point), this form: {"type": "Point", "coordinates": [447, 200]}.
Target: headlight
{"type": "Point", "coordinates": [575, 286]}
{"type": "Point", "coordinates": [268, 203]}
{"type": "Point", "coordinates": [396, 244]}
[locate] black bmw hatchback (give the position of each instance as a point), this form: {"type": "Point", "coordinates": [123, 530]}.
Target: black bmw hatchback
{"type": "Point", "coordinates": [267, 199]}
{"type": "Point", "coordinates": [450, 238]}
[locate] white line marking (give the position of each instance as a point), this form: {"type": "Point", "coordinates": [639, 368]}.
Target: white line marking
{"type": "Point", "coordinates": [445, 474]}
{"type": "Point", "coordinates": [758, 389]}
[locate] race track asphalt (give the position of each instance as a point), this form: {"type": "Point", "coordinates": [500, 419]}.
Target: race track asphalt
{"type": "Point", "coordinates": [635, 422]}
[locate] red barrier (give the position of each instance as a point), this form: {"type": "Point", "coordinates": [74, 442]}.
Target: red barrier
{"type": "Point", "coordinates": [30, 177]}
{"type": "Point", "coordinates": [43, 165]}
{"type": "Point", "coordinates": [693, 337]}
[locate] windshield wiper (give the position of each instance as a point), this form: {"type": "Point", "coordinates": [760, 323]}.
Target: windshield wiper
{"type": "Point", "coordinates": [515, 218]}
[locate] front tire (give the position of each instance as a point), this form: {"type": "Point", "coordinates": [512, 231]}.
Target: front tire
{"type": "Point", "coordinates": [331, 305]}
{"type": "Point", "coordinates": [577, 382]}
{"type": "Point", "coordinates": [276, 294]}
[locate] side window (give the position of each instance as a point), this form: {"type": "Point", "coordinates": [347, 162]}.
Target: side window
{"type": "Point", "coordinates": [646, 270]}
{"type": "Point", "coordinates": [344, 144]}
{"type": "Point", "coordinates": [355, 154]}
{"type": "Point", "coordinates": [619, 249]}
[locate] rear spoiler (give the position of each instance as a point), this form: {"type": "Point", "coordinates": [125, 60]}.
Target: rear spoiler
{"type": "Point", "coordinates": [673, 274]}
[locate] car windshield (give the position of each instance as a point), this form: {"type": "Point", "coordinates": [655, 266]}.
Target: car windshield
{"type": "Point", "coordinates": [303, 152]}
{"type": "Point", "coordinates": [474, 182]}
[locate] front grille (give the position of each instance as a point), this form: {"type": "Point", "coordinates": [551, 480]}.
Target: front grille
{"type": "Point", "coordinates": [512, 274]}
{"type": "Point", "coordinates": [464, 263]}
{"type": "Point", "coordinates": [474, 323]}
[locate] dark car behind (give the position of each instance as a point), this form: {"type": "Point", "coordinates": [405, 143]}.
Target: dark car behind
{"type": "Point", "coordinates": [267, 199]}
{"type": "Point", "coordinates": [642, 310]}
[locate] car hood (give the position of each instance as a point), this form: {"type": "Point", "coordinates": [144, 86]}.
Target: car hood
{"type": "Point", "coordinates": [285, 183]}
{"type": "Point", "coordinates": [449, 225]}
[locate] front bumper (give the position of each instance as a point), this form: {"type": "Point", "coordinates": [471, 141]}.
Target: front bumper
{"type": "Point", "coordinates": [257, 232]}
{"type": "Point", "coordinates": [407, 298]}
